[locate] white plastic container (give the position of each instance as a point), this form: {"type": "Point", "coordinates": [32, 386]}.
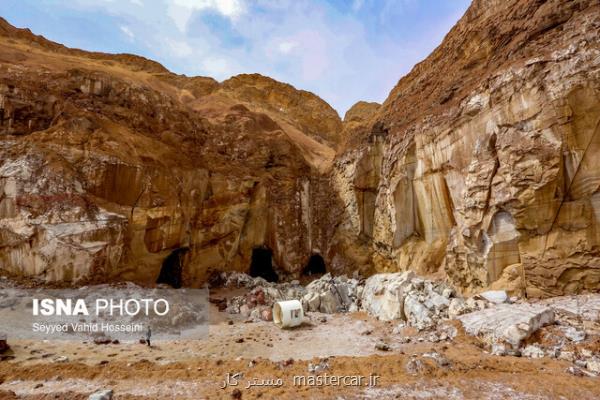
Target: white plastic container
{"type": "Point", "coordinates": [287, 314]}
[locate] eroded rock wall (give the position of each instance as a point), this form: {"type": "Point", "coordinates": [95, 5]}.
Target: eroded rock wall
{"type": "Point", "coordinates": [492, 163]}
{"type": "Point", "coordinates": [110, 164]}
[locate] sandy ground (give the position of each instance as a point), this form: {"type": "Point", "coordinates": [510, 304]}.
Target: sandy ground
{"type": "Point", "coordinates": [263, 353]}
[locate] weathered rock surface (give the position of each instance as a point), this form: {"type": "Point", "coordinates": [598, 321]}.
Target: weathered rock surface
{"type": "Point", "coordinates": [507, 323]}
{"type": "Point", "coordinates": [111, 167]}
{"type": "Point", "coordinates": [330, 295]}
{"type": "Point", "coordinates": [481, 165]}
{"type": "Point", "coordinates": [483, 161]}
{"type": "Point", "coordinates": [384, 295]}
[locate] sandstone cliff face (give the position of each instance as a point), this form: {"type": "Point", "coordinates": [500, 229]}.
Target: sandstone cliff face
{"type": "Point", "coordinates": [109, 164]}
{"type": "Point", "coordinates": [483, 163]}
{"type": "Point", "coordinates": [481, 167]}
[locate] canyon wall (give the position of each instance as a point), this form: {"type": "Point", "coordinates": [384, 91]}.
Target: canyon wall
{"type": "Point", "coordinates": [483, 164]}
{"type": "Point", "coordinates": [109, 164]}
{"type": "Point", "coordinates": [481, 167]}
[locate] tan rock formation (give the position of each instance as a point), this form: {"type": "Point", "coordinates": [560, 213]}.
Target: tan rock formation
{"type": "Point", "coordinates": [109, 164]}
{"type": "Point", "coordinates": [486, 154]}
{"type": "Point", "coordinates": [482, 166]}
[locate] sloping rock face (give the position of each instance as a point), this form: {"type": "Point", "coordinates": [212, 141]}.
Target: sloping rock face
{"type": "Point", "coordinates": [110, 164]}
{"type": "Point", "coordinates": [486, 156]}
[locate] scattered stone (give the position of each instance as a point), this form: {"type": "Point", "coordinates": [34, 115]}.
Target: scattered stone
{"type": "Point", "coordinates": [102, 395]}
{"type": "Point", "coordinates": [593, 365]}
{"type": "Point", "coordinates": [579, 372]}
{"type": "Point", "coordinates": [288, 362]}
{"type": "Point", "coordinates": [501, 349]}
{"type": "Point", "coordinates": [498, 349]}
{"type": "Point", "coordinates": [587, 353]}
{"type": "Point", "coordinates": [416, 366]}
{"type": "Point", "coordinates": [574, 334]}
{"type": "Point", "coordinates": [236, 394]}
{"type": "Point", "coordinates": [239, 340]}
{"type": "Point", "coordinates": [381, 346]}
{"type": "Point", "coordinates": [102, 340]}
{"type": "Point", "coordinates": [566, 355]}
{"type": "Point", "coordinates": [61, 359]}
{"type": "Point", "coordinates": [575, 371]}
{"type": "Point", "coordinates": [439, 359]}
{"type": "Point", "coordinates": [39, 385]}
{"type": "Point", "coordinates": [323, 365]}
{"type": "Point", "coordinates": [533, 351]}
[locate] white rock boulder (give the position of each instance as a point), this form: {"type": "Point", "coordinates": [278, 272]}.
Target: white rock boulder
{"type": "Point", "coordinates": [509, 323]}
{"type": "Point", "coordinates": [384, 295]}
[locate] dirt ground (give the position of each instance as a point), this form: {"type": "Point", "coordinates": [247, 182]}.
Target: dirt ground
{"type": "Point", "coordinates": [344, 343]}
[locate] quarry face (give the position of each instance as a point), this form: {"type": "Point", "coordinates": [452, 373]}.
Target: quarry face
{"type": "Point", "coordinates": [427, 240]}
{"type": "Point", "coordinates": [112, 168]}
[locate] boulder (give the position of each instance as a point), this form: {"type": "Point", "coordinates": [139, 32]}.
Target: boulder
{"type": "Point", "coordinates": [311, 302]}
{"type": "Point", "coordinates": [331, 294]}
{"type": "Point", "coordinates": [329, 302]}
{"type": "Point", "coordinates": [417, 314]}
{"type": "Point", "coordinates": [510, 323]}
{"type": "Point", "coordinates": [384, 295]}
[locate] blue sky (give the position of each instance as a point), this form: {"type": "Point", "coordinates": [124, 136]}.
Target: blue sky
{"type": "Point", "coordinates": [344, 51]}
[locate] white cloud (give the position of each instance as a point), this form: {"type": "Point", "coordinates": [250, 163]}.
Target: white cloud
{"type": "Point", "coordinates": [179, 48]}
{"type": "Point", "coordinates": [218, 68]}
{"type": "Point", "coordinates": [287, 46]}
{"type": "Point", "coordinates": [127, 32]}
{"type": "Point", "coordinates": [181, 10]}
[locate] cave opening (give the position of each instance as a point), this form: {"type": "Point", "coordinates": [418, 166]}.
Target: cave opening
{"type": "Point", "coordinates": [172, 268]}
{"type": "Point", "coordinates": [315, 266]}
{"type": "Point", "coordinates": [262, 264]}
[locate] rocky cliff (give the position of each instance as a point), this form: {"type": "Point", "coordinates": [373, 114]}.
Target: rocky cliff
{"type": "Point", "coordinates": [481, 167]}
{"type": "Point", "coordinates": [112, 168]}
{"type": "Point", "coordinates": [483, 163]}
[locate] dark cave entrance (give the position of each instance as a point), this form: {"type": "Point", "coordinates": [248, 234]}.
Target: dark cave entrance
{"type": "Point", "coordinates": [262, 264]}
{"type": "Point", "coordinates": [172, 268]}
{"type": "Point", "coordinates": [315, 266]}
